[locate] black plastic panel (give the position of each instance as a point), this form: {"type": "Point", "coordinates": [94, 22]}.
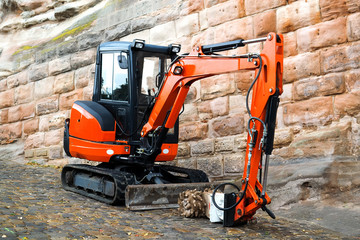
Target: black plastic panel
{"type": "Point", "coordinates": [102, 115]}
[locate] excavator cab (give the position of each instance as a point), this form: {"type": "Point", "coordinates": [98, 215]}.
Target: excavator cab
{"type": "Point", "coordinates": [128, 75]}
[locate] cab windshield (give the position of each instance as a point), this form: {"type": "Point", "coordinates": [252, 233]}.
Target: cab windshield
{"type": "Point", "coordinates": [114, 76]}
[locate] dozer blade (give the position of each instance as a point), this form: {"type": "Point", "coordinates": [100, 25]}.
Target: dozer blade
{"type": "Point", "coordinates": [159, 196]}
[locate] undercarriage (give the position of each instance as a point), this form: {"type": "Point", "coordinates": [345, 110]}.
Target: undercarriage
{"type": "Point", "coordinates": [107, 182]}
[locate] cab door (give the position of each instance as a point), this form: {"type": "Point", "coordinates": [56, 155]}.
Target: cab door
{"type": "Point", "coordinates": [113, 92]}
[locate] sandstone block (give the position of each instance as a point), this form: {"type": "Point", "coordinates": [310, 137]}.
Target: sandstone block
{"type": "Point", "coordinates": [202, 38]}
{"type": "Point", "coordinates": [187, 163]}
{"type": "Point", "coordinates": [353, 27]}
{"type": "Point", "coordinates": [27, 110]}
{"type": "Point", "coordinates": [204, 111]}
{"type": "Point", "coordinates": [31, 126]}
{"type": "Point", "coordinates": [41, 152]}
{"type": "Point", "coordinates": [193, 131]}
{"type": "Point", "coordinates": [290, 48]}
{"type": "Point", "coordinates": [190, 113]}
{"type": "Point", "coordinates": [264, 23]}
{"type": "Point", "coordinates": [236, 29]}
{"type": "Point", "coordinates": [84, 58]}
{"type": "Point", "coordinates": [145, 35]}
{"type": "Point", "coordinates": [53, 137]}
{"type": "Point", "coordinates": [353, 5]}
{"type": "Point", "coordinates": [241, 141]}
{"type": "Point", "coordinates": [331, 9]}
{"type": "Point", "coordinates": [29, 153]}
{"type": "Point", "coordinates": [35, 140]}
{"type": "Point", "coordinates": [298, 67]}
{"type": "Point", "coordinates": [243, 80]}
{"type": "Point", "coordinates": [3, 85]}
{"type": "Point", "coordinates": [210, 3]}
{"type": "Point", "coordinates": [83, 76]}
{"type": "Point", "coordinates": [297, 15]}
{"type": "Point", "coordinates": [183, 150]}
{"type": "Point", "coordinates": [203, 20]}
{"type": "Point", "coordinates": [67, 47]}
{"type": "Point", "coordinates": [47, 105]}
{"type": "Point", "coordinates": [44, 88]}
{"type": "Point", "coordinates": [88, 92]}
{"type": "Point", "coordinates": [326, 85]}
{"type": "Point", "coordinates": [14, 114]}
{"type": "Point", "coordinates": [89, 40]}
{"type": "Point", "coordinates": [220, 106]}
{"type": "Point", "coordinates": [237, 104]}
{"type": "Point", "coordinates": [161, 32]}
{"type": "Point", "coordinates": [66, 100]}
{"type": "Point", "coordinates": [187, 25]}
{"type": "Point", "coordinates": [225, 12]}
{"type": "Point", "coordinates": [225, 144]}
{"type": "Point", "coordinates": [7, 98]}
{"type": "Point", "coordinates": [24, 93]}
{"type": "Point", "coordinates": [213, 166]}
{"type": "Point", "coordinates": [4, 116]}
{"type": "Point", "coordinates": [217, 86]}
{"type": "Point", "coordinates": [340, 58]}
{"type": "Point", "coordinates": [64, 82]}
{"type": "Point", "coordinates": [195, 6]}
{"type": "Point", "coordinates": [312, 112]}
{"type": "Point", "coordinates": [56, 120]}
{"type": "Point", "coordinates": [322, 35]}
{"type": "Point", "coordinates": [352, 80]}
{"type": "Point", "coordinates": [10, 132]}
{"type": "Point", "coordinates": [283, 136]}
{"type": "Point", "coordinates": [59, 65]}
{"type": "Point", "coordinates": [55, 152]}
{"type": "Point", "coordinates": [325, 142]}
{"type": "Point", "coordinates": [15, 80]}
{"type": "Point", "coordinates": [193, 93]}
{"type": "Point", "coordinates": [44, 123]}
{"type": "Point", "coordinates": [256, 6]}
{"type": "Point", "coordinates": [287, 95]}
{"type": "Point", "coordinates": [234, 163]}
{"type": "Point", "coordinates": [123, 29]}
{"type": "Point", "coordinates": [227, 126]}
{"type": "Point", "coordinates": [44, 56]}
{"type": "Point", "coordinates": [38, 72]}
{"type": "Point", "coordinates": [202, 147]}
{"type": "Point", "coordinates": [347, 104]}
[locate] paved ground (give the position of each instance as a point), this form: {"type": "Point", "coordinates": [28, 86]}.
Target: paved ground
{"type": "Point", "coordinates": [34, 206]}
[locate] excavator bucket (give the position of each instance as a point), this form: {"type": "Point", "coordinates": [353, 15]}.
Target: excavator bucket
{"type": "Point", "coordinates": [159, 196]}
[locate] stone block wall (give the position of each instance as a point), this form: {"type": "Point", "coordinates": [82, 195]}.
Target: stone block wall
{"type": "Point", "coordinates": [51, 64]}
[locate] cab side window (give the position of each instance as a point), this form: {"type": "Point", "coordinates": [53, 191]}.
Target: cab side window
{"type": "Point", "coordinates": [114, 76]}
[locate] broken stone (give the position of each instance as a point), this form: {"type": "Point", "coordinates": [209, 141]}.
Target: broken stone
{"type": "Point", "coordinates": [192, 203]}
{"type": "Point", "coordinates": [64, 12]}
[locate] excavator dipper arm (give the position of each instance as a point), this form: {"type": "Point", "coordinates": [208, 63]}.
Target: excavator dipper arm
{"type": "Point", "coordinates": [266, 89]}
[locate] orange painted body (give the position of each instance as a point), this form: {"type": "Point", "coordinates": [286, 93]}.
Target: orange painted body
{"type": "Point", "coordinates": [85, 126]}
{"type": "Point", "coordinates": [94, 144]}
{"type": "Point", "coordinates": [95, 151]}
{"type": "Point", "coordinates": [197, 66]}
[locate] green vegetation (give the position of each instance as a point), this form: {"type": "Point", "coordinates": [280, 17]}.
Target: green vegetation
{"type": "Point", "coordinates": [24, 48]}
{"type": "Point", "coordinates": [78, 27]}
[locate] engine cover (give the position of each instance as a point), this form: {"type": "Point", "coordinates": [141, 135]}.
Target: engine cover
{"type": "Point", "coordinates": [91, 121]}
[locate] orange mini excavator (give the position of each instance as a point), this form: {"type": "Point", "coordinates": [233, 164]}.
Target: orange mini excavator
{"type": "Point", "coordinates": [131, 125]}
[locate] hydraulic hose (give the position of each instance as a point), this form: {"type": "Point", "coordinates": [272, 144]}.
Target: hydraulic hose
{"type": "Point", "coordinates": [235, 204]}
{"type": "Point", "coordinates": [251, 136]}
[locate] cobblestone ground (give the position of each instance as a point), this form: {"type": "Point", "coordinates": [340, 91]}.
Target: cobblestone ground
{"type": "Point", "coordinates": [34, 206]}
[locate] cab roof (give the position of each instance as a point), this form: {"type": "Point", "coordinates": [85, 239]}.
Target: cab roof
{"type": "Point", "coordinates": [120, 45]}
